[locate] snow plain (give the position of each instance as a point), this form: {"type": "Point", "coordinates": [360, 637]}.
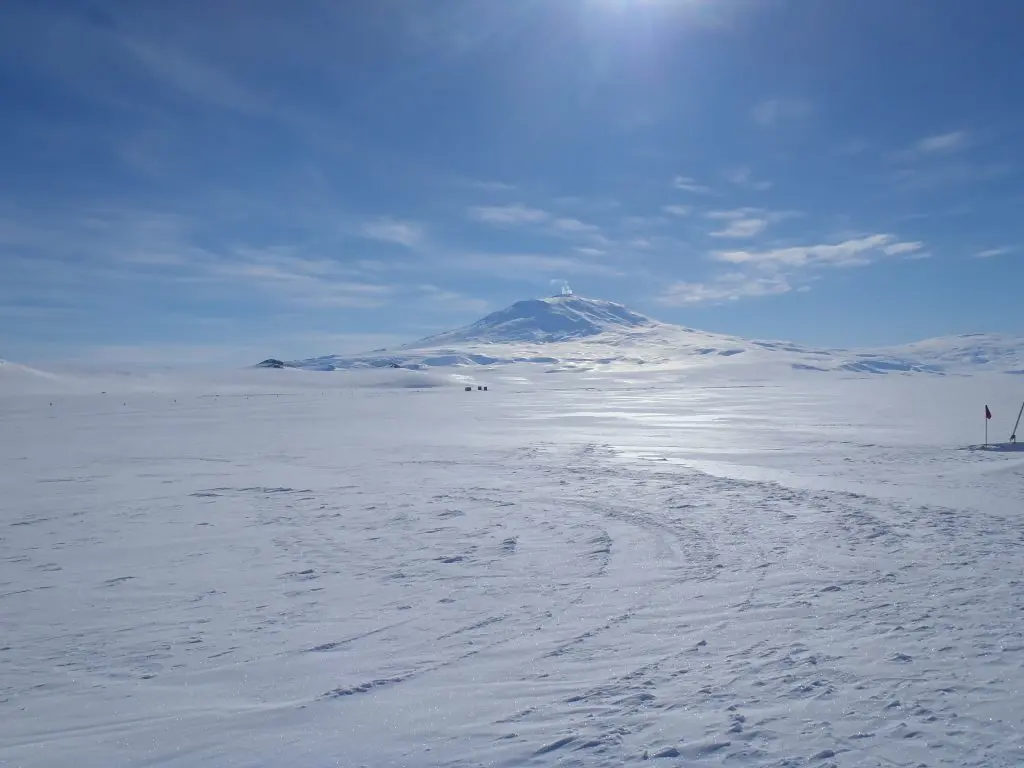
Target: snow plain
{"type": "Point", "coordinates": [292, 568]}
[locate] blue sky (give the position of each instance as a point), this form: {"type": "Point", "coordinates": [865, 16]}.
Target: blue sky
{"type": "Point", "coordinates": [218, 181]}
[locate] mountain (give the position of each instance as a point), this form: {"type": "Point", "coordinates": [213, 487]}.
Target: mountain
{"type": "Point", "coordinates": [558, 318]}
{"type": "Point", "coordinates": [576, 333]}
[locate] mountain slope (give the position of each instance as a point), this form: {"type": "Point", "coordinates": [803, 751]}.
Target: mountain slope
{"type": "Point", "coordinates": [558, 318]}
{"type": "Point", "coordinates": [969, 351]}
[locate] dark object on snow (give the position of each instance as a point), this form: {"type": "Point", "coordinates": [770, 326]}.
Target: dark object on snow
{"type": "Point", "coordinates": [395, 365]}
{"type": "Point", "coordinates": [485, 389]}
{"type": "Point", "coordinates": [1013, 437]}
{"type": "Point", "coordinates": [469, 389]}
{"type": "Point", "coordinates": [270, 363]}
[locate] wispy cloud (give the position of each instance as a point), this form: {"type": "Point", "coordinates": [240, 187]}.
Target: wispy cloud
{"type": "Point", "coordinates": [943, 143]}
{"type": "Point", "coordinates": [520, 265]}
{"type": "Point", "coordinates": [774, 111]}
{"type": "Point", "coordinates": [677, 210]}
{"type": "Point", "coordinates": [190, 76]}
{"type": "Point", "coordinates": [514, 214]}
{"type": "Point", "coordinates": [452, 300]}
{"type": "Point", "coordinates": [573, 225]}
{"type": "Point", "coordinates": [991, 253]}
{"type": "Point", "coordinates": [745, 222]}
{"type": "Point", "coordinates": [539, 221]}
{"type": "Point", "coordinates": [849, 253]}
{"type": "Point", "coordinates": [741, 228]}
{"type": "Point", "coordinates": [390, 230]}
{"type": "Point", "coordinates": [488, 186]}
{"type": "Point", "coordinates": [689, 184]}
{"type": "Point", "coordinates": [731, 286]}
{"type": "Point", "coordinates": [743, 177]}
{"type": "Point", "coordinates": [902, 249]}
{"type": "Point", "coordinates": [948, 173]}
{"type": "Point", "coordinates": [781, 270]}
{"type": "Point", "coordinates": [307, 282]}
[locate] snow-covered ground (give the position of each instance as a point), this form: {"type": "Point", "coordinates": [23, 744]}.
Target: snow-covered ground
{"type": "Point", "coordinates": [289, 568]}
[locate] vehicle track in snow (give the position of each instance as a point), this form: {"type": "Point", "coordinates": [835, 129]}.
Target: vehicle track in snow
{"type": "Point", "coordinates": [506, 602]}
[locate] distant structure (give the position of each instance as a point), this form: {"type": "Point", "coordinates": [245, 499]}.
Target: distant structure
{"type": "Point", "coordinates": [566, 290]}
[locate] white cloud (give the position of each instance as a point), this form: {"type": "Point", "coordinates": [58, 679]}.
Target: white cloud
{"type": "Point", "coordinates": [190, 76]}
{"type": "Point", "coordinates": [489, 186]}
{"type": "Point", "coordinates": [390, 230]}
{"type": "Point", "coordinates": [746, 222]}
{"type": "Point", "coordinates": [990, 253]}
{"type": "Point", "coordinates": [735, 213]}
{"type": "Point", "coordinates": [728, 287]}
{"type": "Point", "coordinates": [900, 249]}
{"type": "Point", "coordinates": [589, 204]}
{"type": "Point", "coordinates": [943, 143]}
{"type": "Point", "coordinates": [677, 210]}
{"type": "Point", "coordinates": [508, 214]}
{"type": "Point", "coordinates": [740, 228]}
{"type": "Point", "coordinates": [588, 251]}
{"type": "Point", "coordinates": [573, 225]}
{"type": "Point", "coordinates": [743, 177]}
{"type": "Point", "coordinates": [689, 184]}
{"type": "Point", "coordinates": [774, 111]}
{"type": "Point", "coordinates": [849, 253]}
{"type": "Point", "coordinates": [452, 300]}
{"type": "Point", "coordinates": [301, 281]}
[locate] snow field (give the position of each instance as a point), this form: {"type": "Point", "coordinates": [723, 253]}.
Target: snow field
{"type": "Point", "coordinates": [565, 570]}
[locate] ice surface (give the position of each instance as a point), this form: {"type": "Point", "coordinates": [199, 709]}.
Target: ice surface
{"type": "Point", "coordinates": [291, 568]}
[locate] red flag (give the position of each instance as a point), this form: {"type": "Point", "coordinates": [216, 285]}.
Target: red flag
{"type": "Point", "coordinates": [988, 413]}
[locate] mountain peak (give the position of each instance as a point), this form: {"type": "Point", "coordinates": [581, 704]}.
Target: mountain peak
{"type": "Point", "coordinates": [556, 318]}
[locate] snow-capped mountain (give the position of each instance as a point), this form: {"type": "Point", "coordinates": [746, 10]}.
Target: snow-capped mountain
{"type": "Point", "coordinates": [554, 319]}
{"type": "Point", "coordinates": [572, 332]}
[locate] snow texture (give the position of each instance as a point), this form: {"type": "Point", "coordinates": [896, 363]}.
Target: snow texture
{"type": "Point", "coordinates": [575, 333]}
{"type": "Point", "coordinates": [722, 566]}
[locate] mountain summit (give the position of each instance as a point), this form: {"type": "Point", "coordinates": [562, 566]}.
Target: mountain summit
{"type": "Point", "coordinates": [558, 318]}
